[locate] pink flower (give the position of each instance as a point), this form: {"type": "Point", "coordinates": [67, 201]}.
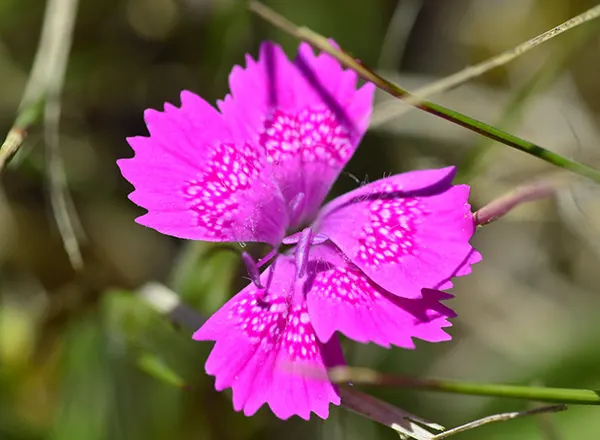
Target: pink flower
{"type": "Point", "coordinates": [368, 265]}
{"type": "Point", "coordinates": [270, 343]}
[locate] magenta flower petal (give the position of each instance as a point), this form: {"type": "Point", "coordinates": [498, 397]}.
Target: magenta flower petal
{"type": "Point", "coordinates": [370, 264]}
{"type": "Point", "coordinates": [406, 232]}
{"type": "Point", "coordinates": [197, 183]}
{"type": "Point", "coordinates": [342, 298]}
{"type": "Point", "coordinates": [267, 352]}
{"type": "Point", "coordinates": [463, 269]}
{"type": "Point", "coordinates": [307, 114]}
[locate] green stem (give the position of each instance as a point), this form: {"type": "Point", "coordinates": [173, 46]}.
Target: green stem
{"type": "Point", "coordinates": [541, 394]}
{"type": "Point", "coordinates": [322, 43]}
{"type": "Point", "coordinates": [512, 112]}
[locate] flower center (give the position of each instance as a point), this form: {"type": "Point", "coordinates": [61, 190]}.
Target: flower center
{"type": "Point", "coordinates": [303, 240]}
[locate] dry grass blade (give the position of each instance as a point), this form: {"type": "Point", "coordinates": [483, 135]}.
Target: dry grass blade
{"type": "Point", "coordinates": [42, 96]}
{"type": "Point", "coordinates": [48, 68]}
{"type": "Point", "coordinates": [449, 82]}
{"type": "Point", "coordinates": [499, 418]}
{"type": "Point", "coordinates": [548, 431]}
{"type": "Point", "coordinates": [403, 422]}
{"type": "Point", "coordinates": [400, 27]}
{"type": "Point", "coordinates": [55, 46]}
{"type": "Point", "coordinates": [320, 42]}
{"type": "Point", "coordinates": [29, 113]}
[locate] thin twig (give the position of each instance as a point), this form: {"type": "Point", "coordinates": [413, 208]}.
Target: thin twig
{"type": "Point", "coordinates": [42, 96]}
{"type": "Point", "coordinates": [29, 113]}
{"type": "Point", "coordinates": [473, 162]}
{"type": "Point", "coordinates": [60, 16]}
{"type": "Point", "coordinates": [461, 77]}
{"type": "Point", "coordinates": [499, 418]}
{"type": "Point", "coordinates": [389, 415]}
{"type": "Point", "coordinates": [52, 51]}
{"type": "Point", "coordinates": [547, 429]}
{"type": "Point", "coordinates": [43, 90]}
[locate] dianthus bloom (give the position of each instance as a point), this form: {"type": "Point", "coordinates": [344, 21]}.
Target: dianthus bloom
{"type": "Point", "coordinates": [370, 265]}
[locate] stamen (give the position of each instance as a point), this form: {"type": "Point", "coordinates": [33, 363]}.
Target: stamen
{"type": "Point", "coordinates": [302, 249]}
{"type": "Point", "coordinates": [264, 260]}
{"type": "Point", "coordinates": [252, 268]}
{"type": "Point", "coordinates": [271, 272]}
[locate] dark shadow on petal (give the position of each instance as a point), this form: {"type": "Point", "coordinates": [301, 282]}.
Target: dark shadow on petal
{"type": "Point", "coordinates": [333, 105]}
{"type": "Point", "coordinates": [270, 62]}
{"type": "Point", "coordinates": [464, 263]}
{"type": "Point", "coordinates": [313, 80]}
{"type": "Point", "coordinates": [419, 307]}
{"type": "Point", "coordinates": [434, 189]}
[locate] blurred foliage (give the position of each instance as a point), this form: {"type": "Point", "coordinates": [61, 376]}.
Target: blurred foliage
{"type": "Point", "coordinates": [80, 352]}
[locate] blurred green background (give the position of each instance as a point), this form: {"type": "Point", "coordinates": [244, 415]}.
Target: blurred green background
{"type": "Point", "coordinates": [75, 347]}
